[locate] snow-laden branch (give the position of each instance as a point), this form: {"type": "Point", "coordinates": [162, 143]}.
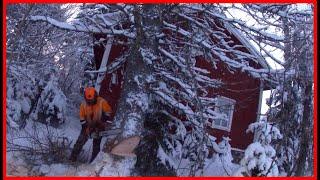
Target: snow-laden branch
{"type": "Point", "coordinates": [222, 55]}
{"type": "Point", "coordinates": [110, 68]}
{"type": "Point", "coordinates": [208, 81]}
{"type": "Point", "coordinates": [174, 103]}
{"type": "Point", "coordinates": [269, 36]}
{"type": "Point", "coordinates": [220, 36]}
{"type": "Point", "coordinates": [199, 77]}
{"type": "Point", "coordinates": [184, 86]}
{"type": "Point", "coordinates": [172, 57]}
{"type": "Point", "coordinates": [81, 28]}
{"type": "Point", "coordinates": [294, 14]}
{"type": "Point", "coordinates": [208, 113]}
{"type": "Point", "coordinates": [268, 53]}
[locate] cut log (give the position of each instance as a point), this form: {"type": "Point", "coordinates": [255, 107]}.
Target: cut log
{"type": "Point", "coordinates": [126, 147]}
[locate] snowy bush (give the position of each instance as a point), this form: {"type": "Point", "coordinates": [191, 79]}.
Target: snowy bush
{"type": "Point", "coordinates": [51, 105]}
{"type": "Point", "coordinates": [260, 157]}
{"type": "Point", "coordinates": [264, 132]}
{"type": "Point", "coordinates": [22, 93]}
{"type": "Point", "coordinates": [224, 145]}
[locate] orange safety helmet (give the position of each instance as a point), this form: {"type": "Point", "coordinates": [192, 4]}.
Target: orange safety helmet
{"type": "Point", "coordinates": [90, 94]}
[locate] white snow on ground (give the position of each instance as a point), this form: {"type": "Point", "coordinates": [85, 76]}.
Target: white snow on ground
{"type": "Point", "coordinates": [15, 165]}
{"type": "Point", "coordinates": [215, 167]}
{"type": "Point", "coordinates": [104, 165]}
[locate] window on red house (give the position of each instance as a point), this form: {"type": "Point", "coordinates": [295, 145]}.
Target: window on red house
{"type": "Point", "coordinates": [224, 106]}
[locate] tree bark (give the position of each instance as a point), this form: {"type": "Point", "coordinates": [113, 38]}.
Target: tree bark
{"type": "Point", "coordinates": [306, 132]}
{"type": "Point", "coordinates": [129, 116]}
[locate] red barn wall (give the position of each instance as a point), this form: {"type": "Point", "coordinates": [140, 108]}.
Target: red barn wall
{"type": "Point", "coordinates": [241, 87]}
{"type": "Point", "coordinates": [245, 90]}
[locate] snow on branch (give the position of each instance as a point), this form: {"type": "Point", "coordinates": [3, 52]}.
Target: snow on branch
{"type": "Point", "coordinates": [186, 109]}
{"type": "Point", "coordinates": [110, 68]}
{"type": "Point", "coordinates": [172, 57]}
{"type": "Point", "coordinates": [220, 36]}
{"type": "Point", "coordinates": [222, 56]}
{"type": "Point", "coordinates": [201, 78]}
{"type": "Point", "coordinates": [185, 86]}
{"type": "Point", "coordinates": [81, 28]}
{"type": "Point", "coordinates": [269, 36]}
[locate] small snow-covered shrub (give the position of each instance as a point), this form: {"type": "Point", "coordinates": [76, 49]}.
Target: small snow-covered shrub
{"type": "Point", "coordinates": [260, 157]}
{"type": "Point", "coordinates": [224, 145]}
{"type": "Point", "coordinates": [51, 105]}
{"type": "Point", "coordinates": [259, 160]}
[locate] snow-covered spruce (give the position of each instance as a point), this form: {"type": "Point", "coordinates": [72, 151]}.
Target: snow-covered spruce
{"type": "Point", "coordinates": [51, 106]}
{"type": "Point", "coordinates": [260, 157]}
{"type": "Point", "coordinates": [23, 89]}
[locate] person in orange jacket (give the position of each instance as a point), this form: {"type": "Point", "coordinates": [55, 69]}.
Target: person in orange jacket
{"type": "Point", "coordinates": [91, 112]}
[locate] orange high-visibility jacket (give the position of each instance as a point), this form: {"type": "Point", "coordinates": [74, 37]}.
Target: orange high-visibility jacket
{"type": "Point", "coordinates": [92, 113]}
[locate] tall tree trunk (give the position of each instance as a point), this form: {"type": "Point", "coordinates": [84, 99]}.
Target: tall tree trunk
{"type": "Point", "coordinates": [306, 132]}
{"type": "Point", "coordinates": [132, 103]}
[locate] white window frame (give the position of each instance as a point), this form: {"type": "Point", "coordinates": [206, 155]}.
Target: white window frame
{"type": "Point", "coordinates": [228, 101]}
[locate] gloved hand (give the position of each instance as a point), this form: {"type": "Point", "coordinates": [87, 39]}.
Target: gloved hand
{"type": "Point", "coordinates": [105, 117]}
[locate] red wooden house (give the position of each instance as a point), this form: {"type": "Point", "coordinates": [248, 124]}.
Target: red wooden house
{"type": "Point", "coordinates": [242, 93]}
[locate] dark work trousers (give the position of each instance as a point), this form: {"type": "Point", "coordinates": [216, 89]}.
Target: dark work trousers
{"type": "Point", "coordinates": [82, 139]}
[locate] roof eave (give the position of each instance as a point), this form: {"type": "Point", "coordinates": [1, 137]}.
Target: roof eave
{"type": "Point", "coordinates": [248, 45]}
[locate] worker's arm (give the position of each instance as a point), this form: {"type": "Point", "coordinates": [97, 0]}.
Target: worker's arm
{"type": "Point", "coordinates": [106, 107]}
{"type": "Point", "coordinates": [106, 111]}
{"type": "Point", "coordinates": [83, 116]}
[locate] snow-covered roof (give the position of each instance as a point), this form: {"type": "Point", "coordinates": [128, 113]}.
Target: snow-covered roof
{"type": "Point", "coordinates": [247, 44]}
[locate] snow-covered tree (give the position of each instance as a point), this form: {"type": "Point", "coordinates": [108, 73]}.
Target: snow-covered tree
{"type": "Point", "coordinates": [43, 51]}
{"type": "Point", "coordinates": [24, 47]}
{"type": "Point", "coordinates": [260, 156]}
{"type": "Point", "coordinates": [42, 68]}
{"type": "Point", "coordinates": [292, 103]}
{"type": "Point", "coordinates": [151, 162]}
{"type": "Point", "coordinates": [51, 105]}
{"type": "Point", "coordinates": [284, 34]}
